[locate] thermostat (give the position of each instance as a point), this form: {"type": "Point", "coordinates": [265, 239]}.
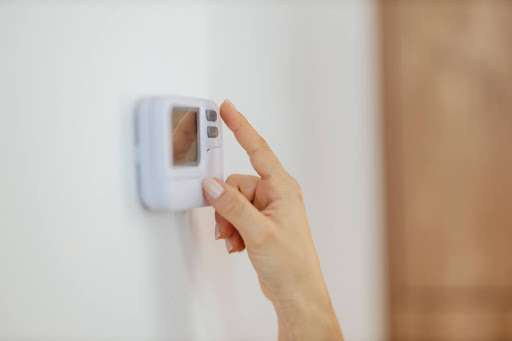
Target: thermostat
{"type": "Point", "coordinates": [178, 144]}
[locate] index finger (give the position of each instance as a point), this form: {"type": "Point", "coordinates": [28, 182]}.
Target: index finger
{"type": "Point", "coordinates": [263, 160]}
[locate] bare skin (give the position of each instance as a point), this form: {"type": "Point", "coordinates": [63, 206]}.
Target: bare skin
{"type": "Point", "coordinates": [266, 215]}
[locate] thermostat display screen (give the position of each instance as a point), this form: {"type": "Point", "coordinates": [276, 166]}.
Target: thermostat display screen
{"type": "Point", "coordinates": [184, 136]}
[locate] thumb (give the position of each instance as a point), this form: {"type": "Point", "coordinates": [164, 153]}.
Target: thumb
{"type": "Point", "coordinates": [236, 209]}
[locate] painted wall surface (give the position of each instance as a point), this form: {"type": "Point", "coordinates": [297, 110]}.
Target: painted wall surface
{"type": "Point", "coordinates": [81, 260]}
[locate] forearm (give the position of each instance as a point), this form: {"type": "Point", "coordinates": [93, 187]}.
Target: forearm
{"type": "Point", "coordinates": [307, 319]}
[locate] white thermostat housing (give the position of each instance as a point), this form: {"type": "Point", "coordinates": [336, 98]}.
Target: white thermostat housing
{"type": "Point", "coordinates": [178, 144]}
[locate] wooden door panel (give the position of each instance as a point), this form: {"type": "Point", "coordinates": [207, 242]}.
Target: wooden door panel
{"type": "Point", "coordinates": [456, 96]}
{"type": "Point", "coordinates": [450, 324]}
{"type": "Point", "coordinates": [447, 113]}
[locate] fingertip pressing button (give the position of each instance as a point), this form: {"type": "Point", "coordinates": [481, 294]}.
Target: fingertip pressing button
{"type": "Point", "coordinates": [213, 131]}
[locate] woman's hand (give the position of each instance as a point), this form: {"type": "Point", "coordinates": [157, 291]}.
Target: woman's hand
{"type": "Point", "coordinates": [266, 215]}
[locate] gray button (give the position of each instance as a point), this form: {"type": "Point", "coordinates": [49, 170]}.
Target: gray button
{"type": "Point", "coordinates": [213, 131]}
{"type": "Point", "coordinates": [211, 115]}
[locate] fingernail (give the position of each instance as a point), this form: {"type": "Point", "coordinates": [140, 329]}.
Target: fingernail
{"type": "Point", "coordinates": [217, 231]}
{"type": "Point", "coordinates": [229, 102]}
{"type": "Point", "coordinates": [213, 188]}
{"type": "Point", "coordinates": [229, 246]}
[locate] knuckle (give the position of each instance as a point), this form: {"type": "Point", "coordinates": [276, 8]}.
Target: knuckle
{"type": "Point", "coordinates": [295, 189]}
{"type": "Point", "coordinates": [231, 178]}
{"type": "Point", "coordinates": [294, 182]}
{"type": "Point", "coordinates": [264, 145]}
{"type": "Point", "coordinates": [234, 207]}
{"type": "Point", "coordinates": [294, 185]}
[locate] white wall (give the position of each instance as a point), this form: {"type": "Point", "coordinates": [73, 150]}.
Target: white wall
{"type": "Point", "coordinates": [80, 260]}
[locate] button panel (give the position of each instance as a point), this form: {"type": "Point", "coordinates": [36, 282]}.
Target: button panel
{"type": "Point", "coordinates": [212, 131]}
{"type": "Point", "coordinates": [211, 115]}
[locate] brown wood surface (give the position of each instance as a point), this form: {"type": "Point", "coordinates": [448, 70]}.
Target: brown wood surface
{"type": "Point", "coordinates": [447, 113]}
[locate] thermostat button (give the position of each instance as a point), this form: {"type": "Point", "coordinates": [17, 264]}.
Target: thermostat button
{"type": "Point", "coordinates": [211, 115]}
{"type": "Point", "coordinates": [213, 131]}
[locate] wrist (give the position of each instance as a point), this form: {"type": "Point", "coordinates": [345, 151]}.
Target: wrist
{"type": "Point", "coordinates": [307, 318]}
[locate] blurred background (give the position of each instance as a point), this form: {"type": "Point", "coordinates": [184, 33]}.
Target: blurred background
{"type": "Point", "coordinates": [394, 115]}
{"type": "Point", "coordinates": [446, 76]}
